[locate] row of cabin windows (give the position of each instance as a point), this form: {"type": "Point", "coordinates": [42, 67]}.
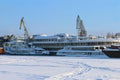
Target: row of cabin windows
{"type": "Point", "coordinates": [48, 40]}
{"type": "Point", "coordinates": [79, 44]}
{"type": "Point", "coordinates": [74, 44]}
{"type": "Point", "coordinates": [45, 40]}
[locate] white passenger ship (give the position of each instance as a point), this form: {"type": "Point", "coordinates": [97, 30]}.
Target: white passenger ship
{"type": "Point", "coordinates": [55, 43]}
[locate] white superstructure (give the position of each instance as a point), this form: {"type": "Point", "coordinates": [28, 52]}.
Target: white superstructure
{"type": "Point", "coordinates": [57, 42]}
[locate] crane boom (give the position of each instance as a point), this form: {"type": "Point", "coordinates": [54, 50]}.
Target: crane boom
{"type": "Point", "coordinates": [26, 35]}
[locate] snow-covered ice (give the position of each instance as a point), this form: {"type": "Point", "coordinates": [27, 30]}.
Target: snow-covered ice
{"type": "Point", "coordinates": [58, 68]}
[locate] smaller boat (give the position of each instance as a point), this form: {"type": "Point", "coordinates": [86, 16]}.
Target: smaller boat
{"type": "Point", "coordinates": [113, 51]}
{"type": "Point", "coordinates": [22, 48]}
{"type": "Point", "coordinates": [80, 51]}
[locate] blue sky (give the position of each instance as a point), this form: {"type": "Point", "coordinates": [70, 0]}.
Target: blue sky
{"type": "Point", "coordinates": [59, 16]}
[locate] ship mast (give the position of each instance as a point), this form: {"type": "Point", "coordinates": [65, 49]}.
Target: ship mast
{"type": "Point", "coordinates": [26, 35]}
{"type": "Point", "coordinates": [81, 32]}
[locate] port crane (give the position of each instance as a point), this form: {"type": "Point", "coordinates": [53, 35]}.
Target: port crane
{"type": "Point", "coordinates": [80, 27]}
{"type": "Point", "coordinates": [26, 35]}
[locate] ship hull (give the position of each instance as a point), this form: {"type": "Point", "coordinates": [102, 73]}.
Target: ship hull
{"type": "Point", "coordinates": [112, 54]}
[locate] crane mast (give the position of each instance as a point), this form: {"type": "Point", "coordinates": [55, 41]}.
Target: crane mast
{"type": "Point", "coordinates": [26, 35]}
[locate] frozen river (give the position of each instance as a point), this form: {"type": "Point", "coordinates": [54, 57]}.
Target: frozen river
{"type": "Point", "coordinates": [58, 68]}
